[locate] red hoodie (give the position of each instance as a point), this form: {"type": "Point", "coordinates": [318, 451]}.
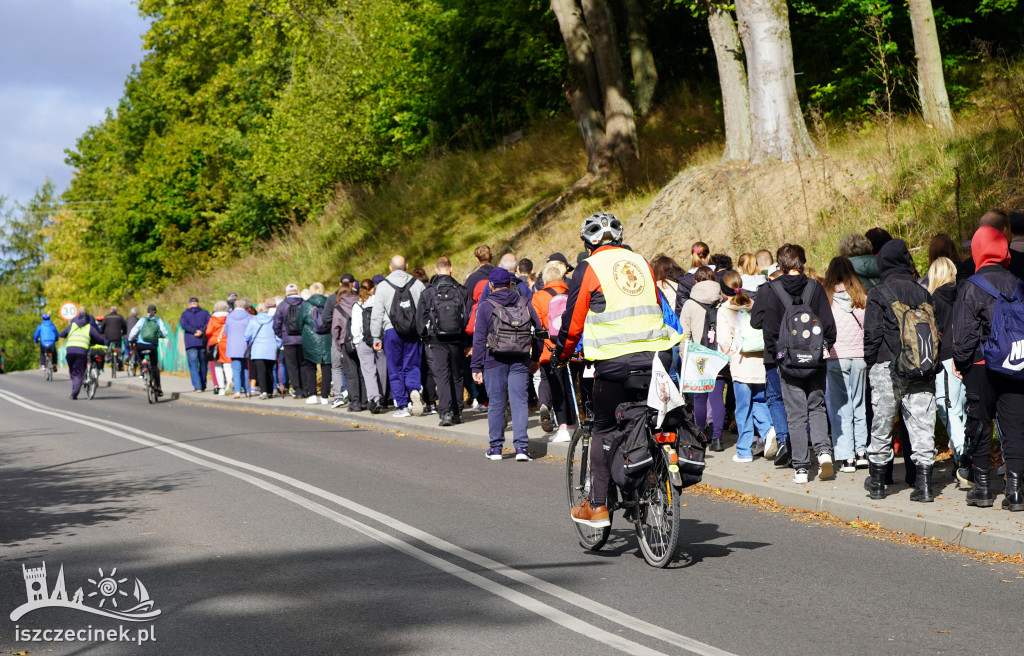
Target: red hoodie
{"type": "Point", "coordinates": [989, 246]}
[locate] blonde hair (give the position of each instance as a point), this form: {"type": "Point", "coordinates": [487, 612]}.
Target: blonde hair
{"type": "Point", "coordinates": [261, 308]}
{"type": "Point", "coordinates": [941, 272]}
{"type": "Point", "coordinates": [220, 306]}
{"type": "Point", "coordinates": [747, 265]}
{"type": "Point", "coordinates": [553, 271]}
{"type": "Point", "coordinates": [699, 254]}
{"type": "Point", "coordinates": [814, 275]}
{"type": "Point", "coordinates": [316, 288]}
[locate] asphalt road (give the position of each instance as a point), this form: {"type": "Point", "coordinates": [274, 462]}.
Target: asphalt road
{"type": "Point", "coordinates": [267, 534]}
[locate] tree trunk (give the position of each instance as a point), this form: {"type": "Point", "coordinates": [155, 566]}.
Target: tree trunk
{"type": "Point", "coordinates": [583, 91]}
{"type": "Point", "coordinates": [732, 77]}
{"type": "Point", "coordinates": [931, 83]}
{"type": "Point", "coordinates": [620, 143]}
{"type": "Point", "coordinates": [778, 130]}
{"type": "Point", "coordinates": [645, 73]}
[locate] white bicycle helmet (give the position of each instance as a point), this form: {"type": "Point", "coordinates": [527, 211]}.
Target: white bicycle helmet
{"type": "Point", "coordinates": [601, 228]}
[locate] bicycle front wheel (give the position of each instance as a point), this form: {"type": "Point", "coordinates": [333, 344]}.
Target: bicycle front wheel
{"type": "Point", "coordinates": [577, 475]}
{"type": "Point", "coordinates": [658, 512]}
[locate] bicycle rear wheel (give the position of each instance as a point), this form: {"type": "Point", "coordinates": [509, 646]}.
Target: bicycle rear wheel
{"type": "Point", "coordinates": [658, 512]}
{"type": "Point", "coordinates": [147, 381]}
{"type": "Point", "coordinates": [113, 365]}
{"type": "Point", "coordinates": [91, 380]}
{"type": "Point", "coordinates": [577, 476]}
{"type": "Point", "coordinates": [49, 368]}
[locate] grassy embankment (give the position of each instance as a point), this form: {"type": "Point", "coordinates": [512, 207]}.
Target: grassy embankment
{"type": "Point", "coordinates": [449, 204]}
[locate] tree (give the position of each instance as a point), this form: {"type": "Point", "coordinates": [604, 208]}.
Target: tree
{"type": "Point", "coordinates": [732, 77]}
{"type": "Point", "coordinates": [930, 80]}
{"type": "Point", "coordinates": [645, 73]}
{"type": "Point", "coordinates": [778, 130]}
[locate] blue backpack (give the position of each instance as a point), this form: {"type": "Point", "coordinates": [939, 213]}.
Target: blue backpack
{"type": "Point", "coordinates": [1004, 348]}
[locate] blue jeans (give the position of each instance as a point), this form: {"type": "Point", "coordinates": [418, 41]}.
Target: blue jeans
{"type": "Point", "coordinates": [507, 380]}
{"type": "Point", "coordinates": [955, 416]}
{"type": "Point", "coordinates": [240, 372]}
{"type": "Point", "coordinates": [673, 371]}
{"type": "Point", "coordinates": [197, 366]}
{"type": "Point", "coordinates": [776, 406]}
{"type": "Point", "coordinates": [847, 406]}
{"type": "Point", "coordinates": [751, 412]}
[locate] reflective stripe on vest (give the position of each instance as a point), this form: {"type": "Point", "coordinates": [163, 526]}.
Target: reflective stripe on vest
{"type": "Point", "coordinates": [632, 321]}
{"type": "Point", "coordinates": [78, 336]}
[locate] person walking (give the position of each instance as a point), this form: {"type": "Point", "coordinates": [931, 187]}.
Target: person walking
{"type": "Point", "coordinates": [847, 372]}
{"type": "Point", "coordinates": [503, 360]}
{"type": "Point", "coordinates": [263, 347]}
{"type": "Point", "coordinates": [343, 341]}
{"type": "Point", "coordinates": [442, 316]}
{"type": "Point", "coordinates": [217, 341]}
{"type": "Point", "coordinates": [234, 329]}
{"type": "Point", "coordinates": [556, 405]}
{"type": "Point", "coordinates": [393, 327]}
{"type": "Point", "coordinates": [286, 326]}
{"type": "Point", "coordinates": [193, 326]}
{"type": "Point", "coordinates": [315, 324]}
{"type": "Point", "coordinates": [950, 396]}
{"type": "Point", "coordinates": [801, 370]}
{"type": "Point", "coordinates": [339, 376]}
{"type": "Point", "coordinates": [81, 332]}
{"type": "Point", "coordinates": [699, 324]}
{"type": "Point", "coordinates": [902, 375]}
{"type": "Point", "coordinates": [372, 363]}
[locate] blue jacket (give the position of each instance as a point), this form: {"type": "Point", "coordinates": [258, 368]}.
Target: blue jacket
{"type": "Point", "coordinates": [46, 333]}
{"type": "Point", "coordinates": [193, 319]}
{"type": "Point", "coordinates": [482, 358]}
{"type": "Point", "coordinates": [234, 328]}
{"type": "Point", "coordinates": [137, 329]}
{"type": "Point", "coordinates": [260, 331]}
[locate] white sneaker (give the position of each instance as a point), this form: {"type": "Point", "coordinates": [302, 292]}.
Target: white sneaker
{"type": "Point", "coordinates": [415, 403]}
{"type": "Point", "coordinates": [313, 400]}
{"type": "Point", "coordinates": [771, 444]}
{"type": "Point", "coordinates": [825, 468]}
{"type": "Point", "coordinates": [800, 476]}
{"type": "Point", "coordinates": [738, 458]}
{"type": "Point", "coordinates": [474, 405]}
{"type": "Point", "coordinates": [403, 412]}
{"type": "Point", "coordinates": [324, 401]}
{"type": "Point", "coordinates": [563, 434]}
{"type": "Point", "coordinates": [338, 402]}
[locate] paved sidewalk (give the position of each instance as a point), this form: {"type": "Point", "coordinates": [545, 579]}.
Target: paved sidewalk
{"type": "Point", "coordinates": [949, 518]}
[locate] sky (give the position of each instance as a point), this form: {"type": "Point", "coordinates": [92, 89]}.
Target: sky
{"type": "Point", "coordinates": [62, 64]}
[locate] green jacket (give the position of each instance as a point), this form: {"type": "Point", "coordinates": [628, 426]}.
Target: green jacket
{"type": "Point", "coordinates": [866, 268]}
{"type": "Point", "coordinates": [315, 347]}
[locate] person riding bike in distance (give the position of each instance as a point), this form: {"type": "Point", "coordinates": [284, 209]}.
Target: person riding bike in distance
{"type": "Point", "coordinates": [614, 308]}
{"type": "Point", "coordinates": [147, 334]}
{"type": "Point", "coordinates": [46, 336]}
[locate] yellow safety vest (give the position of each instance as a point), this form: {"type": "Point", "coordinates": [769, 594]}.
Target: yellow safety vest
{"type": "Point", "coordinates": [632, 320]}
{"type": "Point", "coordinates": [78, 336]}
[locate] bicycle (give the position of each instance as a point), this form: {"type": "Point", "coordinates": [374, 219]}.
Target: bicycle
{"type": "Point", "coordinates": [92, 374]}
{"type": "Point", "coordinates": [132, 363]}
{"type": "Point", "coordinates": [48, 366]}
{"type": "Point", "coordinates": [147, 379]}
{"type": "Point", "coordinates": [653, 504]}
{"type": "Point", "coordinates": [112, 361]}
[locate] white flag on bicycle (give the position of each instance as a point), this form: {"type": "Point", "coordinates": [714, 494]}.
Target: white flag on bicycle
{"type": "Point", "coordinates": [699, 368]}
{"type": "Point", "coordinates": [663, 394]}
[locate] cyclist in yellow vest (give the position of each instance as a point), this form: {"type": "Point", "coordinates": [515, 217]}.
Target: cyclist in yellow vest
{"type": "Point", "coordinates": [81, 333]}
{"type": "Point", "coordinates": [614, 311]}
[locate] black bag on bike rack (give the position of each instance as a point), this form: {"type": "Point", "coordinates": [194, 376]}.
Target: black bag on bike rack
{"type": "Point", "coordinates": [690, 449]}
{"type": "Point", "coordinates": [628, 454]}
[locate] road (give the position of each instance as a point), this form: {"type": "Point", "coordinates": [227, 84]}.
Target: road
{"type": "Point", "coordinates": [259, 533]}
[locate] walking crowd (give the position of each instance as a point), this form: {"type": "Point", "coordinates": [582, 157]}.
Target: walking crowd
{"type": "Point", "coordinates": [825, 371]}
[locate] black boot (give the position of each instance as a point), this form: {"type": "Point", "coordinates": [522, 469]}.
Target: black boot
{"type": "Point", "coordinates": [716, 445]}
{"type": "Point", "coordinates": [784, 455]}
{"type": "Point", "coordinates": [923, 485]}
{"type": "Point", "coordinates": [980, 495]}
{"type": "Point", "coordinates": [875, 482]}
{"type": "Point", "coordinates": [1014, 499]}
{"type": "Point", "coordinates": [888, 473]}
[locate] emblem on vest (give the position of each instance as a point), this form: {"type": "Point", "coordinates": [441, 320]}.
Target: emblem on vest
{"type": "Point", "coordinates": [628, 278]}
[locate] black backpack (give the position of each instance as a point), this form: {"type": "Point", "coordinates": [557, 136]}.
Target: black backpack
{"type": "Point", "coordinates": [291, 319]}
{"type": "Point", "coordinates": [403, 311]}
{"type": "Point", "coordinates": [316, 315]}
{"type": "Point", "coordinates": [367, 337]}
{"type": "Point", "coordinates": [799, 349]}
{"type": "Point", "coordinates": [447, 314]}
{"type": "Point", "coordinates": [708, 337]}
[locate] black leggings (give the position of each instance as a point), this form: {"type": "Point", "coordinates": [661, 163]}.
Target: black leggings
{"type": "Point", "coordinates": [264, 370]}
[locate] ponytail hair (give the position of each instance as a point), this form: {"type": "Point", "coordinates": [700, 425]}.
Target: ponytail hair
{"type": "Point", "coordinates": [733, 282]}
{"type": "Point", "coordinates": [699, 254]}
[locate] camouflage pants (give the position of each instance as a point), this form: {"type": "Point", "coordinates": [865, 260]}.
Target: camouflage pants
{"type": "Point", "coordinates": [916, 399]}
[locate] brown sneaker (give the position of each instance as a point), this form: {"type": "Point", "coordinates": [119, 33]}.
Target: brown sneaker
{"type": "Point", "coordinates": [596, 517]}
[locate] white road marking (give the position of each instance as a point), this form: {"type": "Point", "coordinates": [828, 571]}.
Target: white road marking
{"type": "Point", "coordinates": [606, 612]}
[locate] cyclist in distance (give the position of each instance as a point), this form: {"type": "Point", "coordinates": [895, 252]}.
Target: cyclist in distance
{"type": "Point", "coordinates": [115, 329]}
{"type": "Point", "coordinates": [45, 336]}
{"type": "Point", "coordinates": [80, 333]}
{"type": "Point", "coordinates": [147, 334]}
{"type": "Point", "coordinates": [614, 310]}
